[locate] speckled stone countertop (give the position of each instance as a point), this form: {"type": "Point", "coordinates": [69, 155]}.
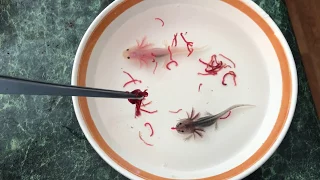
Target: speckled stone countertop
{"type": "Point", "coordinates": [40, 137]}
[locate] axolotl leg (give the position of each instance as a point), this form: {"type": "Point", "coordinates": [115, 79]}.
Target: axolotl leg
{"type": "Point", "coordinates": [196, 131]}
{"type": "Point", "coordinates": [187, 138]}
{"type": "Point", "coordinates": [199, 133]}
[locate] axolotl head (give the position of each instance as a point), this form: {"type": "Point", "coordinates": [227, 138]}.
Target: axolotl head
{"type": "Point", "coordinates": [184, 127]}
{"type": "Point", "coordinates": [130, 53]}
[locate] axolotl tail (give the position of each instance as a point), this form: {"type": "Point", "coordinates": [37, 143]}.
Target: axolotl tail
{"type": "Point", "coordinates": [229, 109]}
{"type": "Point", "coordinates": [211, 119]}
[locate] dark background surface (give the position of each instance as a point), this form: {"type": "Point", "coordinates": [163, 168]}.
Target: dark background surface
{"type": "Point", "coordinates": [40, 137]}
{"type": "Point", "coordinates": [305, 18]}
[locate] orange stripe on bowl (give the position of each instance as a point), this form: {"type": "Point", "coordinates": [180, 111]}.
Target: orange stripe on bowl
{"type": "Point", "coordinates": [286, 95]}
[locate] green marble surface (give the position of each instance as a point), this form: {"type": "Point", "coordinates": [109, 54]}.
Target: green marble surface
{"type": "Point", "coordinates": [40, 137]}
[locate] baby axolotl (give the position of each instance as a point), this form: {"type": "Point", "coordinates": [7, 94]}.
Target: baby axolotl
{"type": "Point", "coordinates": [145, 52]}
{"type": "Point", "coordinates": [194, 124]}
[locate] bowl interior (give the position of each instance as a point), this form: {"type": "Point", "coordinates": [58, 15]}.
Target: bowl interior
{"type": "Point", "coordinates": [224, 30]}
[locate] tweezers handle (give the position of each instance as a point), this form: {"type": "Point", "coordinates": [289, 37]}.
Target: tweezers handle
{"type": "Point", "coordinates": [12, 85]}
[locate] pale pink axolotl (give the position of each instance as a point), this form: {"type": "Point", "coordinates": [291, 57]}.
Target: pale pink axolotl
{"type": "Point", "coordinates": [145, 52]}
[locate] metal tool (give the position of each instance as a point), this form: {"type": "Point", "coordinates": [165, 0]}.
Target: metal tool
{"type": "Point", "coordinates": [12, 85]}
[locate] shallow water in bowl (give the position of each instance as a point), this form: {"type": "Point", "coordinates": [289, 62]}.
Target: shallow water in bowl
{"type": "Point", "coordinates": [178, 88]}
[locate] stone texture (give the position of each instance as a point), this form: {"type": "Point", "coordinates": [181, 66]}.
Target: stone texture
{"type": "Point", "coordinates": [40, 137]}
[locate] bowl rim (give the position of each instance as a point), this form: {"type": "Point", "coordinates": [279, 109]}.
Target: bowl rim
{"type": "Point", "coordinates": [259, 16]}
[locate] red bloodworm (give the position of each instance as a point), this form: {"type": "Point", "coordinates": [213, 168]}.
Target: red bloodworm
{"type": "Point", "coordinates": [234, 65]}
{"type": "Point", "coordinates": [128, 75]}
{"type": "Point", "coordinates": [160, 20]}
{"type": "Point", "coordinates": [212, 69]}
{"type": "Point", "coordinates": [146, 104]}
{"type": "Point", "coordinates": [140, 136]}
{"type": "Point", "coordinates": [149, 112]}
{"type": "Point", "coordinates": [138, 102]}
{"type": "Point", "coordinates": [203, 74]}
{"type": "Point", "coordinates": [174, 40]}
{"type": "Point", "coordinates": [155, 68]}
{"type": "Point", "coordinates": [172, 61]}
{"type": "Point", "coordinates": [173, 128]}
{"type": "Point", "coordinates": [184, 39]}
{"type": "Point", "coordinates": [234, 79]}
{"type": "Point", "coordinates": [175, 62]}
{"type": "Point", "coordinates": [214, 59]}
{"type": "Point", "coordinates": [189, 44]}
{"type": "Point", "coordinates": [170, 53]}
{"type": "Point", "coordinates": [132, 79]}
{"type": "Point", "coordinates": [215, 70]}
{"type": "Point", "coordinates": [199, 88]}
{"type": "Point", "coordinates": [232, 74]}
{"type": "Point", "coordinates": [207, 64]}
{"type": "Point", "coordinates": [176, 111]}
{"type": "Point", "coordinates": [226, 116]}
{"type": "Point", "coordinates": [151, 128]}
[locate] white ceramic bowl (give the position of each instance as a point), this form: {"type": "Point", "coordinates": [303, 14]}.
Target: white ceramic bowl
{"type": "Point", "coordinates": [266, 77]}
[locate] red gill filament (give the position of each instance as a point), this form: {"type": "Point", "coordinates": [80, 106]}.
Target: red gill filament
{"type": "Point", "coordinates": [143, 44]}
